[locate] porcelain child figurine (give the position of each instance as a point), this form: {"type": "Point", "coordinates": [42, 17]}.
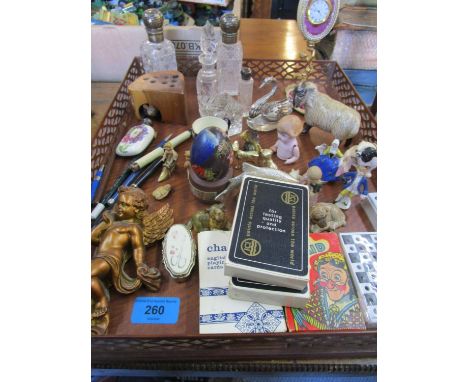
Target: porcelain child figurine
{"type": "Point", "coordinates": [286, 147]}
{"type": "Point", "coordinates": [364, 158]}
{"type": "Point", "coordinates": [121, 236]}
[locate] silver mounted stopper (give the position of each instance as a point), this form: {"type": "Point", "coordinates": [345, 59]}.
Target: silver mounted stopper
{"type": "Point", "coordinates": [154, 20]}
{"type": "Point", "coordinates": [229, 24]}
{"type": "Point", "coordinates": [246, 73]}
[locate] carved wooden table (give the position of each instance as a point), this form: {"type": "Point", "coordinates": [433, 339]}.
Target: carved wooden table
{"type": "Point", "coordinates": [181, 346]}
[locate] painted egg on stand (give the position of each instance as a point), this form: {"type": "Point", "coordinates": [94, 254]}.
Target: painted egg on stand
{"type": "Point", "coordinates": [211, 155]}
{"type": "Point", "coordinates": [210, 168]}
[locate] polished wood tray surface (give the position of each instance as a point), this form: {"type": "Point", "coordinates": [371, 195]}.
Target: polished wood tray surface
{"type": "Point", "coordinates": [126, 343]}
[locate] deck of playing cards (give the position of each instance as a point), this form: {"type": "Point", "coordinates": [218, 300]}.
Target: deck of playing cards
{"type": "Point", "coordinates": [333, 304]}
{"type": "Point", "coordinates": [219, 313]}
{"type": "Point", "coordinates": [240, 289]}
{"type": "Point", "coordinates": [269, 242]}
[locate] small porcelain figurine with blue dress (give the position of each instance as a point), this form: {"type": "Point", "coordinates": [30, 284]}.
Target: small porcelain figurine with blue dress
{"type": "Point", "coordinates": [363, 157]}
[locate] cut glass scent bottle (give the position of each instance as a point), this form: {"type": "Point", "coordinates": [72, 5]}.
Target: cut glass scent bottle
{"type": "Point", "coordinates": [229, 56]}
{"type": "Point", "coordinates": [157, 53]}
{"type": "Point", "coordinates": [207, 83]}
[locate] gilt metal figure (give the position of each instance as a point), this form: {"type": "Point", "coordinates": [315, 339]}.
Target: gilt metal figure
{"type": "Point", "coordinates": [121, 236]}
{"type": "Point", "coordinates": [253, 151]}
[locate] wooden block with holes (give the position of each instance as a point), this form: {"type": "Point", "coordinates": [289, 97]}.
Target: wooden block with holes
{"type": "Point", "coordinates": [165, 90]}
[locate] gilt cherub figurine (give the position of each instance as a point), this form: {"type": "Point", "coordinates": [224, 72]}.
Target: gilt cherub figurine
{"type": "Point", "coordinates": [363, 157]}
{"type": "Point", "coordinates": [286, 147]}
{"type": "Point", "coordinates": [121, 236]}
{"type": "Point", "coordinates": [169, 161]}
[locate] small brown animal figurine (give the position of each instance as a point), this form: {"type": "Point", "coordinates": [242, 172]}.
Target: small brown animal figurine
{"type": "Point", "coordinates": [121, 236]}
{"type": "Point", "coordinates": [169, 162]}
{"type": "Point", "coordinates": [165, 91]}
{"type": "Point", "coordinates": [326, 217]}
{"type": "Point", "coordinates": [210, 219]}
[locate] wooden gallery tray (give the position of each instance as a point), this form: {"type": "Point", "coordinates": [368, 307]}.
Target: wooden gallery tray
{"type": "Point", "coordinates": [126, 344]}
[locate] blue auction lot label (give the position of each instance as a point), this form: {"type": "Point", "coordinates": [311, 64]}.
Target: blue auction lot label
{"type": "Point", "coordinates": [155, 310]}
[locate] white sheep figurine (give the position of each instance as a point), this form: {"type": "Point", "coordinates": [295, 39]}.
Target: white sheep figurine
{"type": "Point", "coordinates": [327, 114]}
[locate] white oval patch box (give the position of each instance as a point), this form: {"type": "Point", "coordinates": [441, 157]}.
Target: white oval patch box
{"type": "Point", "coordinates": [179, 252]}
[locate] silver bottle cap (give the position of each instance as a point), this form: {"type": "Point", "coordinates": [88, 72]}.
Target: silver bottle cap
{"type": "Point", "coordinates": [246, 73]}
{"type": "Point", "coordinates": [229, 24]}
{"type": "Point", "coordinates": [154, 20]}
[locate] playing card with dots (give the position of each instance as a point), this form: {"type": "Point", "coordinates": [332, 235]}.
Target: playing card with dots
{"type": "Point", "coordinates": [360, 249]}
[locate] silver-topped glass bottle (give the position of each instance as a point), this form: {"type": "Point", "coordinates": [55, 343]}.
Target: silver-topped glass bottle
{"type": "Point", "coordinates": [207, 84]}
{"type": "Point", "coordinates": [229, 56]}
{"type": "Point", "coordinates": [157, 53]}
{"type": "Point", "coordinates": [246, 89]}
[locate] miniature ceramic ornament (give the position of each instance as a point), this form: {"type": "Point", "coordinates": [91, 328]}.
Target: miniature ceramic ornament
{"type": "Point", "coordinates": [325, 217]}
{"type": "Point", "coordinates": [264, 115]}
{"type": "Point", "coordinates": [210, 219]}
{"type": "Point", "coordinates": [363, 157]}
{"type": "Point", "coordinates": [313, 178]}
{"type": "Point", "coordinates": [286, 147]}
{"type": "Point", "coordinates": [328, 161]}
{"type": "Point", "coordinates": [179, 252]}
{"type": "Point", "coordinates": [327, 114]}
{"type": "Point", "coordinates": [169, 162]}
{"type": "Point", "coordinates": [136, 140]}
